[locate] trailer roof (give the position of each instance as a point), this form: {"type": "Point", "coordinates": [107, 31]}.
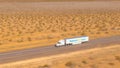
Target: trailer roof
{"type": "Point", "coordinates": [76, 37]}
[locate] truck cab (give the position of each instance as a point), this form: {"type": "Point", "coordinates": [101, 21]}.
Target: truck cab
{"type": "Point", "coordinates": [60, 43]}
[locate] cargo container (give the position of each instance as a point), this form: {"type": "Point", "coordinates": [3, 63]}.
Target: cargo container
{"type": "Point", "coordinates": [72, 41]}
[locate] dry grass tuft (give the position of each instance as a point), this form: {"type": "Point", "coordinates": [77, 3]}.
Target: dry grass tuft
{"type": "Point", "coordinates": [29, 29]}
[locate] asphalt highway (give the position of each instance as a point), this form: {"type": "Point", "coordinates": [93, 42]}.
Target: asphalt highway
{"type": "Point", "coordinates": [52, 50]}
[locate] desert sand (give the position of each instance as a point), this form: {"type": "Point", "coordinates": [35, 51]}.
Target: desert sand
{"type": "Point", "coordinates": [34, 24]}
{"type": "Point", "coordinates": [31, 24]}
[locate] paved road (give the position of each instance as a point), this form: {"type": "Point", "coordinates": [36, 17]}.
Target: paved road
{"type": "Point", "coordinates": [51, 50]}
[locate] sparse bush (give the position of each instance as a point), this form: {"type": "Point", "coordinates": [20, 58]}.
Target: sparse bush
{"type": "Point", "coordinates": [63, 35]}
{"type": "Point", "coordinates": [117, 58]}
{"type": "Point", "coordinates": [111, 64]}
{"type": "Point", "coordinates": [84, 62]}
{"type": "Point", "coordinates": [29, 39]}
{"type": "Point", "coordinates": [19, 25]}
{"type": "Point", "coordinates": [106, 32]}
{"type": "Point", "coordinates": [0, 43]}
{"type": "Point", "coordinates": [46, 66]}
{"type": "Point", "coordinates": [20, 40]}
{"type": "Point", "coordinates": [98, 33]}
{"type": "Point", "coordinates": [70, 64]}
{"type": "Point", "coordinates": [53, 30]}
{"type": "Point", "coordinates": [82, 33]}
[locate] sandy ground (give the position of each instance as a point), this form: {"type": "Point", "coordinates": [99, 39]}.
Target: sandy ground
{"type": "Point", "coordinates": [51, 0]}
{"type": "Point", "coordinates": [96, 58]}
{"type": "Point", "coordinates": [33, 24]}
{"type": "Point", "coordinates": [106, 57]}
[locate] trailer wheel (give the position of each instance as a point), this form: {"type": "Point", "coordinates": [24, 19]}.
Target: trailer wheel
{"type": "Point", "coordinates": [65, 44]}
{"type": "Point", "coordinates": [70, 43]}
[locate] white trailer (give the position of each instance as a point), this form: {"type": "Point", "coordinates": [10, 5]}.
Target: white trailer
{"type": "Point", "coordinates": [72, 41]}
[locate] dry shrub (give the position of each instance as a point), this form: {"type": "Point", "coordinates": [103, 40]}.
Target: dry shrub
{"type": "Point", "coordinates": [44, 66]}
{"type": "Point", "coordinates": [84, 62]}
{"type": "Point", "coordinates": [70, 64]}
{"type": "Point", "coordinates": [117, 58]}
{"type": "Point", "coordinates": [111, 64]}
{"type": "Point", "coordinates": [29, 27]}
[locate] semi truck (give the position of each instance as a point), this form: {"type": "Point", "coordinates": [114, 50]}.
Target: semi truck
{"type": "Point", "coordinates": [72, 41]}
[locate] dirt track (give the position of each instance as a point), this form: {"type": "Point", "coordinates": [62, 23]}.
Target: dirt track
{"type": "Point", "coordinates": [51, 50]}
{"type": "Point", "coordinates": [59, 7]}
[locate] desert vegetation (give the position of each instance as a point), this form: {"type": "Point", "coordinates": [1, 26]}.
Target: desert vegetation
{"type": "Point", "coordinates": [25, 30]}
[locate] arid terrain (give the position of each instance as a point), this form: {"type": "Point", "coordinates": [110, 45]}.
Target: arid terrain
{"type": "Point", "coordinates": [51, 0]}
{"type": "Point", "coordinates": [28, 25]}
{"type": "Point", "coordinates": [33, 24]}
{"type": "Point", "coordinates": [106, 57]}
